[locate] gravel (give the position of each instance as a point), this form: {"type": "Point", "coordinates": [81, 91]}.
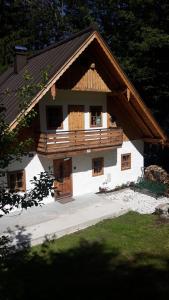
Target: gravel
{"type": "Point", "coordinates": [135, 201]}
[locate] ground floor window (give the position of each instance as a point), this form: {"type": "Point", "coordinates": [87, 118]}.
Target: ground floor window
{"type": "Point", "coordinates": [16, 181]}
{"type": "Point", "coordinates": [97, 166]}
{"type": "Point", "coordinates": [126, 161]}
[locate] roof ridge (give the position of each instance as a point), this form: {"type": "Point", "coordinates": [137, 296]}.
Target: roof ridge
{"type": "Point", "coordinates": [73, 36]}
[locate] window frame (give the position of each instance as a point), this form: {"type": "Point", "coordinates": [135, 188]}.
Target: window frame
{"type": "Point", "coordinates": [16, 188]}
{"type": "Point", "coordinates": [47, 117]}
{"type": "Point", "coordinates": [102, 166]}
{"type": "Point", "coordinates": [101, 109]}
{"type": "Point", "coordinates": [128, 162]}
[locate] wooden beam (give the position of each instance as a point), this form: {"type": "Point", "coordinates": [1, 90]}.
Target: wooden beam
{"type": "Point", "coordinates": [138, 119]}
{"type": "Point", "coordinates": [123, 76]}
{"type": "Point", "coordinates": [133, 104]}
{"type": "Point", "coordinates": [116, 108]}
{"type": "Point", "coordinates": [128, 94]}
{"type": "Point", "coordinates": [53, 91]}
{"type": "Point", "coordinates": [153, 140]}
{"type": "Point", "coordinates": [76, 153]}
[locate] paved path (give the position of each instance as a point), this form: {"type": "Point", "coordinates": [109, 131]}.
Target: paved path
{"type": "Point", "coordinates": [59, 219]}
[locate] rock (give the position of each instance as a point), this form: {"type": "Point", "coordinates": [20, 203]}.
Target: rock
{"type": "Point", "coordinates": [156, 173]}
{"type": "Point", "coordinates": [162, 210]}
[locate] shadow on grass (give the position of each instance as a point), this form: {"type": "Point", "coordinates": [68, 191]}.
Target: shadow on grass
{"type": "Point", "coordinates": [88, 271]}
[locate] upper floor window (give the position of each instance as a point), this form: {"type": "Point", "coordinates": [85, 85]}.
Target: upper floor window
{"type": "Point", "coordinates": [16, 181]}
{"type": "Point", "coordinates": [95, 116]}
{"type": "Point", "coordinates": [54, 117]}
{"type": "Point", "coordinates": [126, 161]}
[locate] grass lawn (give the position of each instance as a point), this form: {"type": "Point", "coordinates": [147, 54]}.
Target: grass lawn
{"type": "Point", "coordinates": [123, 257]}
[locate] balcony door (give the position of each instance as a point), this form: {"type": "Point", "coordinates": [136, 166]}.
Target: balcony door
{"type": "Point", "coordinates": [63, 177]}
{"type": "Point", "coordinates": [76, 117]}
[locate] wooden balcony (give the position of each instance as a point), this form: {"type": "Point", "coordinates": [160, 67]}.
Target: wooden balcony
{"type": "Point", "coordinates": [72, 142]}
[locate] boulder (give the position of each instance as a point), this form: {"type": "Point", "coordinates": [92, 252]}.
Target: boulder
{"type": "Point", "coordinates": [156, 173]}
{"type": "Point", "coordinates": [163, 210]}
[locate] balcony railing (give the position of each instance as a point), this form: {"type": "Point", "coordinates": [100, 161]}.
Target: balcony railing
{"type": "Point", "coordinates": [76, 140]}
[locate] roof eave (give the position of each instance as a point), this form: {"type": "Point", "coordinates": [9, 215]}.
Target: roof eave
{"type": "Point", "coordinates": [131, 87]}
{"type": "Point", "coordinates": [53, 80]}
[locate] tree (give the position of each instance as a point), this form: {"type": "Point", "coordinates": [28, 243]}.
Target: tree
{"type": "Point", "coordinates": [12, 148]}
{"type": "Point", "coordinates": [31, 23]}
{"type": "Point", "coordinates": [137, 32]}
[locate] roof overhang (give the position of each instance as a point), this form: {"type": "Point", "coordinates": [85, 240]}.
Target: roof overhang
{"type": "Point", "coordinates": [132, 97]}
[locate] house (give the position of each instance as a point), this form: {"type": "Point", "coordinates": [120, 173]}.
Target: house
{"type": "Point", "coordinates": [91, 125]}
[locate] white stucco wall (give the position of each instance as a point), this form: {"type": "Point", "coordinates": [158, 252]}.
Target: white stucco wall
{"type": "Point", "coordinates": [66, 98]}
{"type": "Point", "coordinates": [84, 182]}
{"type": "Point", "coordinates": [33, 166]}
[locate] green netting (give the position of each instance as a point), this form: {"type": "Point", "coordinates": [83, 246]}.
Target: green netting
{"type": "Point", "coordinates": [154, 187]}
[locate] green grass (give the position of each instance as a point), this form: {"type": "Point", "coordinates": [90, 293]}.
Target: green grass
{"type": "Point", "coordinates": [128, 255]}
{"type": "Point", "coordinates": [130, 234]}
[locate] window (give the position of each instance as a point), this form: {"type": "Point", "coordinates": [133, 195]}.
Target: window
{"type": "Point", "coordinates": [126, 161]}
{"type": "Point", "coordinates": [95, 116]}
{"type": "Point", "coordinates": [16, 181]}
{"type": "Point", "coordinates": [97, 166]}
{"type": "Point", "coordinates": [54, 117]}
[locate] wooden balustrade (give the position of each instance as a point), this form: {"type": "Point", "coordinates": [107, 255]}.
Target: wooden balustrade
{"type": "Point", "coordinates": [76, 140]}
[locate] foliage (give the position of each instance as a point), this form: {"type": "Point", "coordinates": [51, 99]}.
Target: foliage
{"type": "Point", "coordinates": [13, 148]}
{"type": "Point", "coordinates": [42, 186]}
{"type": "Point", "coordinates": [127, 255]}
{"type": "Point", "coordinates": [136, 31]}
{"type": "Point", "coordinates": [10, 147]}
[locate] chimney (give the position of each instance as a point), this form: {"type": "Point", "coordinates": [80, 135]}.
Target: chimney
{"type": "Point", "coordinates": [20, 58]}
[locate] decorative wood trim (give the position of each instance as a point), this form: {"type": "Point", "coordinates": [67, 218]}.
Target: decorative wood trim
{"type": "Point", "coordinates": [53, 91]}
{"type": "Point", "coordinates": [101, 160]}
{"type": "Point", "coordinates": [128, 94]}
{"type": "Point", "coordinates": [91, 81]}
{"type": "Point", "coordinates": [125, 165]}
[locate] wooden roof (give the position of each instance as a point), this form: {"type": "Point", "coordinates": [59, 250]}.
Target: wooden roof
{"type": "Point", "coordinates": [61, 57]}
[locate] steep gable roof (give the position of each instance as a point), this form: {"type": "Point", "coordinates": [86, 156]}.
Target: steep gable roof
{"type": "Point", "coordinates": [60, 57]}
{"type": "Point", "coordinates": [54, 56]}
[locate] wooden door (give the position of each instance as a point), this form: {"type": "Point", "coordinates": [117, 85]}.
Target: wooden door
{"type": "Point", "coordinates": [76, 117]}
{"type": "Point", "coordinates": [63, 177]}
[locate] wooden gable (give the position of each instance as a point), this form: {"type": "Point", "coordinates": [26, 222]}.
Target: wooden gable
{"type": "Point", "coordinates": [85, 74]}
{"type": "Point", "coordinates": [75, 73]}
{"type": "Point", "coordinates": [91, 81]}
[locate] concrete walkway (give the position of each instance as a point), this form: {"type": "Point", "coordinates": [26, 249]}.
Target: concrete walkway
{"type": "Point", "coordinates": [58, 219]}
